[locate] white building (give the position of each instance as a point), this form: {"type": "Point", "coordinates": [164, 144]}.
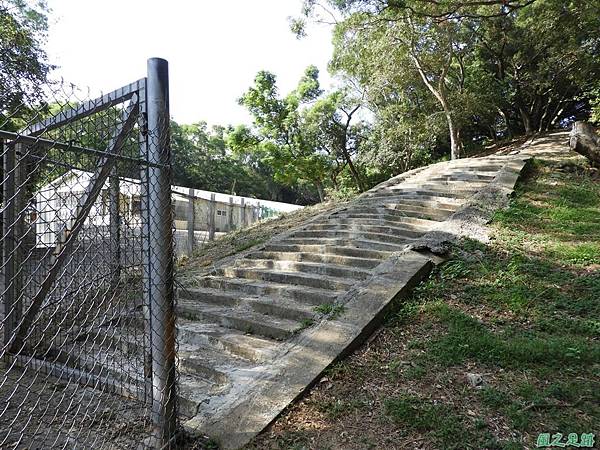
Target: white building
{"type": "Point", "coordinates": [56, 204]}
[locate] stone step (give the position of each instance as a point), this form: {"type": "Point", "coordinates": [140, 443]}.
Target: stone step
{"type": "Point", "coordinates": [194, 392]}
{"type": "Point", "coordinates": [482, 174]}
{"type": "Point", "coordinates": [359, 243]}
{"type": "Point", "coordinates": [422, 191]}
{"type": "Point", "coordinates": [474, 166]}
{"type": "Point", "coordinates": [51, 368]}
{"type": "Point", "coordinates": [391, 215]}
{"type": "Point", "coordinates": [244, 320]}
{"type": "Point", "coordinates": [310, 280]}
{"type": "Point", "coordinates": [409, 203]}
{"type": "Point", "coordinates": [196, 334]}
{"type": "Point", "coordinates": [227, 340]}
{"type": "Point", "coordinates": [302, 294]}
{"type": "Point", "coordinates": [416, 222]}
{"type": "Point", "coordinates": [402, 207]}
{"type": "Point", "coordinates": [471, 184]}
{"type": "Point", "coordinates": [326, 250]}
{"type": "Point", "coordinates": [318, 268]}
{"type": "Point", "coordinates": [393, 228]}
{"type": "Point", "coordinates": [463, 177]}
{"type": "Point", "coordinates": [207, 363]}
{"type": "Point", "coordinates": [385, 234]}
{"type": "Point", "coordinates": [129, 340]}
{"type": "Point", "coordinates": [100, 360]}
{"type": "Point", "coordinates": [465, 190]}
{"type": "Point", "coordinates": [432, 201]}
{"type": "Point", "coordinates": [280, 306]}
{"type": "Point", "coordinates": [320, 256]}
{"type": "Point", "coordinates": [368, 209]}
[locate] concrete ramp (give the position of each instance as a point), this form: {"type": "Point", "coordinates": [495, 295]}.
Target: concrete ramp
{"type": "Point", "coordinates": [258, 329]}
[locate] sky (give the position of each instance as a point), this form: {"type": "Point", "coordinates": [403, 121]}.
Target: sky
{"type": "Point", "coordinates": [214, 49]}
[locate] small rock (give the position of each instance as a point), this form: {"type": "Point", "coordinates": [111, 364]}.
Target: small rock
{"type": "Point", "coordinates": [475, 380]}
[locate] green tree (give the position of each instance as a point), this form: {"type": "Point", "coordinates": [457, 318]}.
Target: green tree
{"type": "Point", "coordinates": [543, 60]}
{"type": "Point", "coordinates": [375, 46]}
{"type": "Point", "coordinates": [283, 141]}
{"type": "Point", "coordinates": [209, 158]}
{"type": "Point", "coordinates": [329, 127]}
{"type": "Point", "coordinates": [23, 65]}
{"type": "Point", "coordinates": [492, 68]}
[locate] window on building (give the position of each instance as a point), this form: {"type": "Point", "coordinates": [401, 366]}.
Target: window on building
{"type": "Point", "coordinates": [221, 212]}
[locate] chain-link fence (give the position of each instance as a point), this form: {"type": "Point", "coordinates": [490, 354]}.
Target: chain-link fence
{"type": "Point", "coordinates": [87, 310]}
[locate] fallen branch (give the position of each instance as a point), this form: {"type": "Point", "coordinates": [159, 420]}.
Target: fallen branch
{"type": "Point", "coordinates": [554, 405]}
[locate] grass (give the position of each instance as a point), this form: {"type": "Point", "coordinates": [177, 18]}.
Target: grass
{"type": "Point", "coordinates": [304, 324]}
{"type": "Point", "coordinates": [467, 338]}
{"type": "Point", "coordinates": [522, 311]}
{"type": "Point", "coordinates": [414, 413]}
{"type": "Point", "coordinates": [332, 311]}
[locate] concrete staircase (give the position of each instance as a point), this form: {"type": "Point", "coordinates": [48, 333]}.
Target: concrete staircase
{"type": "Point", "coordinates": [254, 332]}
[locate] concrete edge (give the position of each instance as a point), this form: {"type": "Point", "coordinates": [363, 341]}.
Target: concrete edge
{"type": "Point", "coordinates": [313, 351]}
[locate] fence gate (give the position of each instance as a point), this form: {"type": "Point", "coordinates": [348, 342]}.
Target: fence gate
{"type": "Point", "coordinates": [88, 352]}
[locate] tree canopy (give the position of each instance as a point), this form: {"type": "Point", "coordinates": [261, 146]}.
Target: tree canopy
{"type": "Point", "coordinates": [484, 69]}
{"type": "Point", "coordinates": [23, 67]}
{"type": "Point", "coordinates": [417, 81]}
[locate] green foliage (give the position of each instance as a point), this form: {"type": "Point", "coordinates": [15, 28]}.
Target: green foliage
{"type": "Point", "coordinates": [23, 60]}
{"type": "Point", "coordinates": [338, 408]}
{"type": "Point", "coordinates": [455, 75]}
{"type": "Point", "coordinates": [213, 159]}
{"type": "Point", "coordinates": [440, 421]}
{"type": "Point", "coordinates": [306, 137]}
{"type": "Point", "coordinates": [469, 339]}
{"type": "Point", "coordinates": [304, 324]}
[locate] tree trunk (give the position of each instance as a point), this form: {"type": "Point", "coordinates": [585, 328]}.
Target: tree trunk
{"type": "Point", "coordinates": [456, 146]}
{"type": "Point", "coordinates": [527, 122]}
{"type": "Point", "coordinates": [357, 179]}
{"type": "Point", "coordinates": [585, 141]}
{"type": "Point", "coordinates": [440, 94]}
{"type": "Point", "coordinates": [509, 131]}
{"type": "Point", "coordinates": [320, 190]}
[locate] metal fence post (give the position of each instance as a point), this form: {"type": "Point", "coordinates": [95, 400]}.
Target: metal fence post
{"type": "Point", "coordinates": [115, 227]}
{"type": "Point", "coordinates": [12, 233]}
{"type": "Point", "coordinates": [230, 215]}
{"type": "Point", "coordinates": [211, 218]}
{"type": "Point", "coordinates": [159, 286]}
{"type": "Point", "coordinates": [191, 222]}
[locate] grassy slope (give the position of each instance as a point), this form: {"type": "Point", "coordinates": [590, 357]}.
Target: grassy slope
{"type": "Point", "coordinates": [523, 312]}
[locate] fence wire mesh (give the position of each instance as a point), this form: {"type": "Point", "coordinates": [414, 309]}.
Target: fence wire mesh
{"type": "Point", "coordinates": [86, 316]}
